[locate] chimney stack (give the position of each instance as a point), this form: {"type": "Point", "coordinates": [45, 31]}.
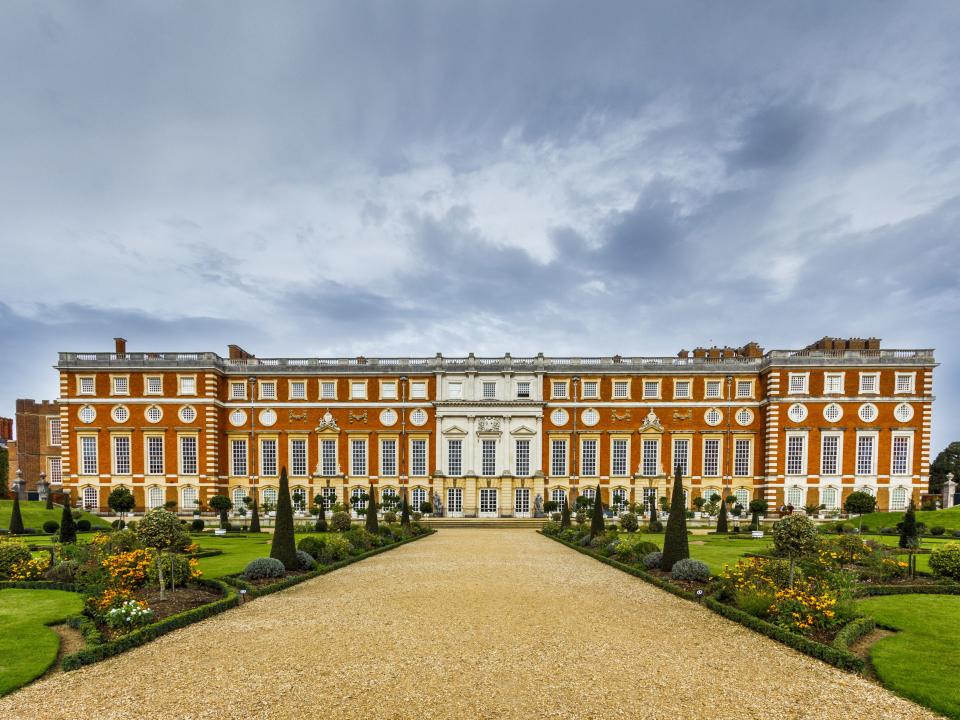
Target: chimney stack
{"type": "Point", "coordinates": [120, 345]}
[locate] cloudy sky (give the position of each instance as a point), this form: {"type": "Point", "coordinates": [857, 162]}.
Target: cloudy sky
{"type": "Point", "coordinates": [407, 177]}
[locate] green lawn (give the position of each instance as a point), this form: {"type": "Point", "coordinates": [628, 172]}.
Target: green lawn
{"type": "Point", "coordinates": [922, 661]}
{"type": "Point", "coordinates": [715, 550]}
{"type": "Point", "coordinates": [27, 646]}
{"type": "Point", "coordinates": [237, 552]}
{"type": "Point", "coordinates": [35, 514]}
{"type": "Point", "coordinates": [949, 519]}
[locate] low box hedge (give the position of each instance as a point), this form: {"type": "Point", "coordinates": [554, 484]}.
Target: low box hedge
{"type": "Point", "coordinates": [853, 631]}
{"type": "Point", "coordinates": [839, 658]}
{"type": "Point", "coordinates": [38, 585]}
{"type": "Point", "coordinates": [938, 589]}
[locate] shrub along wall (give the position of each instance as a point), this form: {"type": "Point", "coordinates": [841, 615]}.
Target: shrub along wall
{"type": "Point", "coordinates": [840, 658]}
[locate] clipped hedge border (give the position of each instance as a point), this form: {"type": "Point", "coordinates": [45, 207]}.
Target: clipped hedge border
{"type": "Point", "coordinates": [143, 635]}
{"type": "Point", "coordinates": [205, 554]}
{"type": "Point", "coordinates": [254, 592]}
{"type": "Point", "coordinates": [38, 585]}
{"type": "Point", "coordinates": [853, 631]}
{"type": "Point", "coordinates": [839, 658]}
{"type": "Point", "coordinates": [876, 590]}
{"type": "Point", "coordinates": [88, 628]}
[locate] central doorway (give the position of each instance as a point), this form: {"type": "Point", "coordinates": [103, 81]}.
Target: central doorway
{"type": "Point", "coordinates": [488, 502]}
{"type": "Point", "coordinates": [454, 502]}
{"type": "Point", "coordinates": [521, 503]}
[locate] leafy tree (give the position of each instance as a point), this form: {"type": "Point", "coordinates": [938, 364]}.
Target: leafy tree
{"type": "Point", "coordinates": [722, 520]}
{"type": "Point", "coordinates": [860, 503]}
{"type": "Point", "coordinates": [68, 526]}
{"type": "Point", "coordinates": [222, 504]}
{"type": "Point", "coordinates": [371, 522]}
{"type": "Point", "coordinates": [16, 519]}
{"type": "Point", "coordinates": [675, 544]}
{"type": "Point", "coordinates": [699, 502]}
{"type": "Point", "coordinates": [947, 461]}
{"type": "Point", "coordinates": [121, 501]}
{"type": "Point", "coordinates": [405, 511]}
{"type": "Point", "coordinates": [910, 535]}
{"type": "Point", "coordinates": [284, 546]}
{"type": "Point", "coordinates": [596, 519]}
{"type": "Point", "coordinates": [758, 508]}
{"type": "Point", "coordinates": [565, 516]}
{"type": "Point", "coordinates": [321, 525]}
{"type": "Point", "coordinates": [161, 530]}
{"type": "Point", "coordinates": [254, 516]}
{"type": "Point", "coordinates": [793, 537]}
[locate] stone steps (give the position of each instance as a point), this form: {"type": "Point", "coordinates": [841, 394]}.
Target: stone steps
{"type": "Point", "coordinates": [500, 523]}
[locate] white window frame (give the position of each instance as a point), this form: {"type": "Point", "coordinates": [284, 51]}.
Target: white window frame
{"type": "Point", "coordinates": [265, 469]}
{"type": "Point", "coordinates": [238, 390]}
{"type": "Point", "coordinates": [324, 386]}
{"type": "Point", "coordinates": [388, 390]}
{"type": "Point", "coordinates": [298, 389]}
{"type": "Point", "coordinates": [716, 471]}
{"type": "Point", "coordinates": [361, 458]}
{"type": "Point", "coordinates": [646, 389]}
{"type": "Point", "coordinates": [739, 383]}
{"type": "Point", "coordinates": [873, 454]}
{"type": "Point", "coordinates": [182, 456]}
{"type": "Point", "coordinates": [619, 457]}
{"type": "Point", "coordinates": [742, 464]}
{"type": "Point", "coordinates": [55, 469]}
{"type": "Point", "coordinates": [388, 455]}
{"type": "Point", "coordinates": [455, 394]}
{"type": "Point", "coordinates": [84, 468]}
{"type": "Point", "coordinates": [299, 458]}
{"type": "Point", "coordinates": [524, 391]}
{"type": "Point", "coordinates": [800, 468]}
{"type": "Point", "coordinates": [803, 383]}
{"type": "Point", "coordinates": [125, 390]}
{"type": "Point", "coordinates": [419, 457]}
{"type": "Point", "coordinates": [620, 389]}
{"type": "Point", "coordinates": [235, 458]}
{"type": "Point", "coordinates": [454, 459]}
{"type": "Point", "coordinates": [121, 461]}
{"type": "Point", "coordinates": [521, 456]}
{"type": "Point", "coordinates": [911, 377]}
{"type": "Point", "coordinates": [418, 390]}
{"type": "Point", "coordinates": [649, 464]}
{"type": "Point", "coordinates": [267, 390]}
{"type": "Point", "coordinates": [82, 380]}
{"type": "Point", "coordinates": [146, 384]}
{"type": "Point", "coordinates": [826, 383]}
{"type": "Point", "coordinates": [358, 389]}
{"type": "Point", "coordinates": [908, 460]}
{"type": "Point", "coordinates": [559, 461]}
{"type": "Point", "coordinates": [590, 466]}
{"type": "Point", "coordinates": [708, 383]}
{"type": "Point", "coordinates": [876, 383]}
{"type": "Point", "coordinates": [148, 458]}
{"type": "Point", "coordinates": [180, 388]}
{"type": "Point", "coordinates": [594, 394]}
{"type": "Point", "coordinates": [685, 469]}
{"type": "Point", "coordinates": [838, 470]}
{"type": "Point", "coordinates": [682, 382]}
{"type": "Point", "coordinates": [488, 458]}
{"type": "Point", "coordinates": [328, 463]}
{"type": "Point", "coordinates": [54, 431]}
{"type": "Point", "coordinates": [488, 389]}
{"type": "Point", "coordinates": [558, 389]}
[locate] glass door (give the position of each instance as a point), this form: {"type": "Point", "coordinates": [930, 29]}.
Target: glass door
{"type": "Point", "coordinates": [454, 502]}
{"type": "Point", "coordinates": [488, 502]}
{"type": "Point", "coordinates": [521, 502]}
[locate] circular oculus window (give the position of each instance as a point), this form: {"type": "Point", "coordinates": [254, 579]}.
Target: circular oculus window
{"type": "Point", "coordinates": [153, 414]}
{"type": "Point", "coordinates": [590, 417]}
{"type": "Point", "coordinates": [744, 417]}
{"type": "Point", "coordinates": [268, 417]}
{"type": "Point", "coordinates": [832, 412]}
{"type": "Point", "coordinates": [418, 417]}
{"type": "Point", "coordinates": [868, 412]}
{"type": "Point", "coordinates": [713, 416]}
{"type": "Point", "coordinates": [238, 418]}
{"type": "Point", "coordinates": [187, 414]}
{"type": "Point", "coordinates": [903, 412]}
{"type": "Point", "coordinates": [797, 412]}
{"type": "Point", "coordinates": [120, 414]}
{"type": "Point", "coordinates": [388, 417]}
{"type": "Point", "coordinates": [559, 417]}
{"type": "Point", "coordinates": [86, 414]}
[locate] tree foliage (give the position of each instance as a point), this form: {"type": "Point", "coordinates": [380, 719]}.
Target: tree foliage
{"type": "Point", "coordinates": [372, 524]}
{"type": "Point", "coordinates": [222, 504]}
{"type": "Point", "coordinates": [161, 529]}
{"type": "Point", "coordinates": [947, 461]}
{"type": "Point", "coordinates": [68, 527]}
{"type": "Point", "coordinates": [675, 544]}
{"type": "Point", "coordinates": [284, 546]}
{"type": "Point", "coordinates": [121, 500]}
{"type": "Point", "coordinates": [860, 503]}
{"type": "Point", "coordinates": [405, 511]}
{"type": "Point", "coordinates": [794, 537]}
{"type": "Point", "coordinates": [758, 508]}
{"type": "Point", "coordinates": [722, 520]}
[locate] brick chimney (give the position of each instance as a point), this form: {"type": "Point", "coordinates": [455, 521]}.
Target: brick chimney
{"type": "Point", "coordinates": [235, 352]}
{"type": "Point", "coordinates": [120, 346]}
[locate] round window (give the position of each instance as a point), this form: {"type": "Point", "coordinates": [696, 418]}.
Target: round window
{"type": "Point", "coordinates": [153, 414]}
{"type": "Point", "coordinates": [120, 414]}
{"type": "Point", "coordinates": [188, 414]}
{"type": "Point", "coordinates": [418, 417]}
{"type": "Point", "coordinates": [832, 412]}
{"type": "Point", "coordinates": [797, 412]}
{"type": "Point", "coordinates": [238, 418]}
{"type": "Point", "coordinates": [87, 414]}
{"type": "Point", "coordinates": [388, 417]}
{"type": "Point", "coordinates": [868, 412]}
{"type": "Point", "coordinates": [559, 417]}
{"type": "Point", "coordinates": [590, 417]}
{"type": "Point", "coordinates": [268, 418]}
{"type": "Point", "coordinates": [713, 416]}
{"type": "Point", "coordinates": [903, 412]}
{"type": "Point", "coordinates": [744, 417]}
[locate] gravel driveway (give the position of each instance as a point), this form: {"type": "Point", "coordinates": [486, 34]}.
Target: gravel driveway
{"type": "Point", "coordinates": [463, 624]}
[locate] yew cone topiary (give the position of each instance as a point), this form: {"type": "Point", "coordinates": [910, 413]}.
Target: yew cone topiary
{"type": "Point", "coordinates": [565, 517]}
{"type": "Point", "coordinates": [284, 546]}
{"type": "Point", "coordinates": [372, 524]}
{"type": "Point", "coordinates": [68, 528]}
{"type": "Point", "coordinates": [255, 519]}
{"type": "Point", "coordinates": [722, 519]}
{"type": "Point", "coordinates": [675, 544]}
{"type": "Point", "coordinates": [596, 518]}
{"type": "Point", "coordinates": [405, 512]}
{"type": "Point", "coordinates": [16, 519]}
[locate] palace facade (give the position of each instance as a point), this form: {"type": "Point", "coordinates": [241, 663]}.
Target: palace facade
{"type": "Point", "coordinates": [498, 437]}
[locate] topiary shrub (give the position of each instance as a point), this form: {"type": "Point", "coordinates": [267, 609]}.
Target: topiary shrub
{"type": "Point", "coordinates": [361, 539]}
{"type": "Point", "coordinates": [655, 526]}
{"type": "Point", "coordinates": [310, 545]}
{"type": "Point", "coordinates": [305, 561]}
{"type": "Point", "coordinates": [390, 517]}
{"type": "Point", "coordinates": [177, 571]}
{"type": "Point", "coordinates": [652, 560]}
{"type": "Point", "coordinates": [629, 522]}
{"type": "Point", "coordinates": [341, 522]}
{"type": "Point", "coordinates": [12, 552]}
{"type": "Point", "coordinates": [690, 569]}
{"type": "Point", "coordinates": [51, 526]}
{"type": "Point", "coordinates": [83, 525]}
{"type": "Point", "coordinates": [550, 528]}
{"type": "Point", "coordinates": [197, 525]}
{"type": "Point", "coordinates": [937, 530]}
{"type": "Point", "coordinates": [263, 568]}
{"type": "Point", "coordinates": [956, 533]}
{"type": "Point", "coordinates": [945, 561]}
{"type": "Point", "coordinates": [65, 572]}
{"type": "Point", "coordinates": [118, 524]}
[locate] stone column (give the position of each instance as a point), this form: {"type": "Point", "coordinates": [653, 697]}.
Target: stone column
{"type": "Point", "coordinates": [949, 492]}
{"type": "Point", "coordinates": [19, 486]}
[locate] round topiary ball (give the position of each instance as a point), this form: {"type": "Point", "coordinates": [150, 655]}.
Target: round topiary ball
{"type": "Point", "coordinates": [197, 525]}
{"type": "Point", "coordinates": [305, 561]}
{"type": "Point", "coordinates": [51, 526]}
{"type": "Point", "coordinates": [262, 568]}
{"type": "Point", "coordinates": [83, 525]}
{"type": "Point", "coordinates": [690, 569]}
{"type": "Point", "coordinates": [652, 560]}
{"type": "Point", "coordinates": [340, 521]}
{"type": "Point", "coordinates": [629, 522]}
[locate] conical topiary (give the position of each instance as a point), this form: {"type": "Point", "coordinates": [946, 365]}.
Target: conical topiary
{"type": "Point", "coordinates": [321, 524]}
{"type": "Point", "coordinates": [653, 512]}
{"type": "Point", "coordinates": [675, 544]}
{"type": "Point", "coordinates": [68, 528]}
{"type": "Point", "coordinates": [722, 520]}
{"type": "Point", "coordinates": [596, 518]}
{"type": "Point", "coordinates": [49, 504]}
{"type": "Point", "coordinates": [284, 547]}
{"type": "Point", "coordinates": [255, 517]}
{"type": "Point", "coordinates": [16, 519]}
{"type": "Point", "coordinates": [372, 524]}
{"type": "Point", "coordinates": [565, 516]}
{"type": "Point", "coordinates": [405, 511]}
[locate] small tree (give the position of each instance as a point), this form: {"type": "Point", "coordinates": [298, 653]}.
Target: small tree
{"type": "Point", "coordinates": [222, 504]}
{"type": "Point", "coordinates": [653, 516]}
{"type": "Point", "coordinates": [161, 530]}
{"type": "Point", "coordinates": [16, 519]}
{"type": "Point", "coordinates": [284, 546]}
{"type": "Point", "coordinates": [121, 502]}
{"type": "Point", "coordinates": [699, 502]}
{"type": "Point", "coordinates": [254, 517]}
{"type": "Point", "coordinates": [722, 520]}
{"type": "Point", "coordinates": [405, 511]}
{"type": "Point", "coordinates": [758, 508]}
{"type": "Point", "coordinates": [793, 537]}
{"type": "Point", "coordinates": [910, 536]}
{"type": "Point", "coordinates": [372, 524]}
{"type": "Point", "coordinates": [675, 544]}
{"type": "Point", "coordinates": [565, 516]}
{"type": "Point", "coordinates": [68, 526]}
{"type": "Point", "coordinates": [860, 503]}
{"type": "Point", "coordinates": [321, 525]}
{"type": "Point", "coordinates": [596, 519]}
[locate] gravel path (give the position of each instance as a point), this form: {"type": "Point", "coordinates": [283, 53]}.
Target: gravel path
{"type": "Point", "coordinates": [463, 624]}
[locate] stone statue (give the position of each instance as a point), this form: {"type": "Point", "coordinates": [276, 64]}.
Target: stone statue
{"type": "Point", "coordinates": [538, 506]}
{"type": "Point", "coordinates": [437, 505]}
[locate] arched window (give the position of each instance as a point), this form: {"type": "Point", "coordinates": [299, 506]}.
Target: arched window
{"type": "Point", "coordinates": [795, 497]}
{"type": "Point", "coordinates": [188, 498]}
{"type": "Point", "coordinates": [269, 498]}
{"type": "Point", "coordinates": [419, 497]}
{"type": "Point", "coordinates": [155, 498]}
{"type": "Point", "coordinates": [828, 498]}
{"type": "Point", "coordinates": [90, 498]}
{"type": "Point", "coordinates": [559, 496]}
{"type": "Point", "coordinates": [868, 490]}
{"type": "Point", "coordinates": [237, 498]}
{"type": "Point", "coordinates": [357, 499]}
{"type": "Point", "coordinates": [898, 499]}
{"type": "Point", "coordinates": [743, 497]}
{"type": "Point", "coordinates": [329, 495]}
{"type": "Point", "coordinates": [389, 499]}
{"type": "Point", "coordinates": [619, 500]}
{"type": "Point", "coordinates": [299, 499]}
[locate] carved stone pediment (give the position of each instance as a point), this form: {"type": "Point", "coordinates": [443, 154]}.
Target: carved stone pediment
{"type": "Point", "coordinates": [651, 422]}
{"type": "Point", "coordinates": [328, 423]}
{"type": "Point", "coordinates": [455, 431]}
{"type": "Point", "coordinates": [523, 431]}
{"type": "Point", "coordinates": [489, 425]}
